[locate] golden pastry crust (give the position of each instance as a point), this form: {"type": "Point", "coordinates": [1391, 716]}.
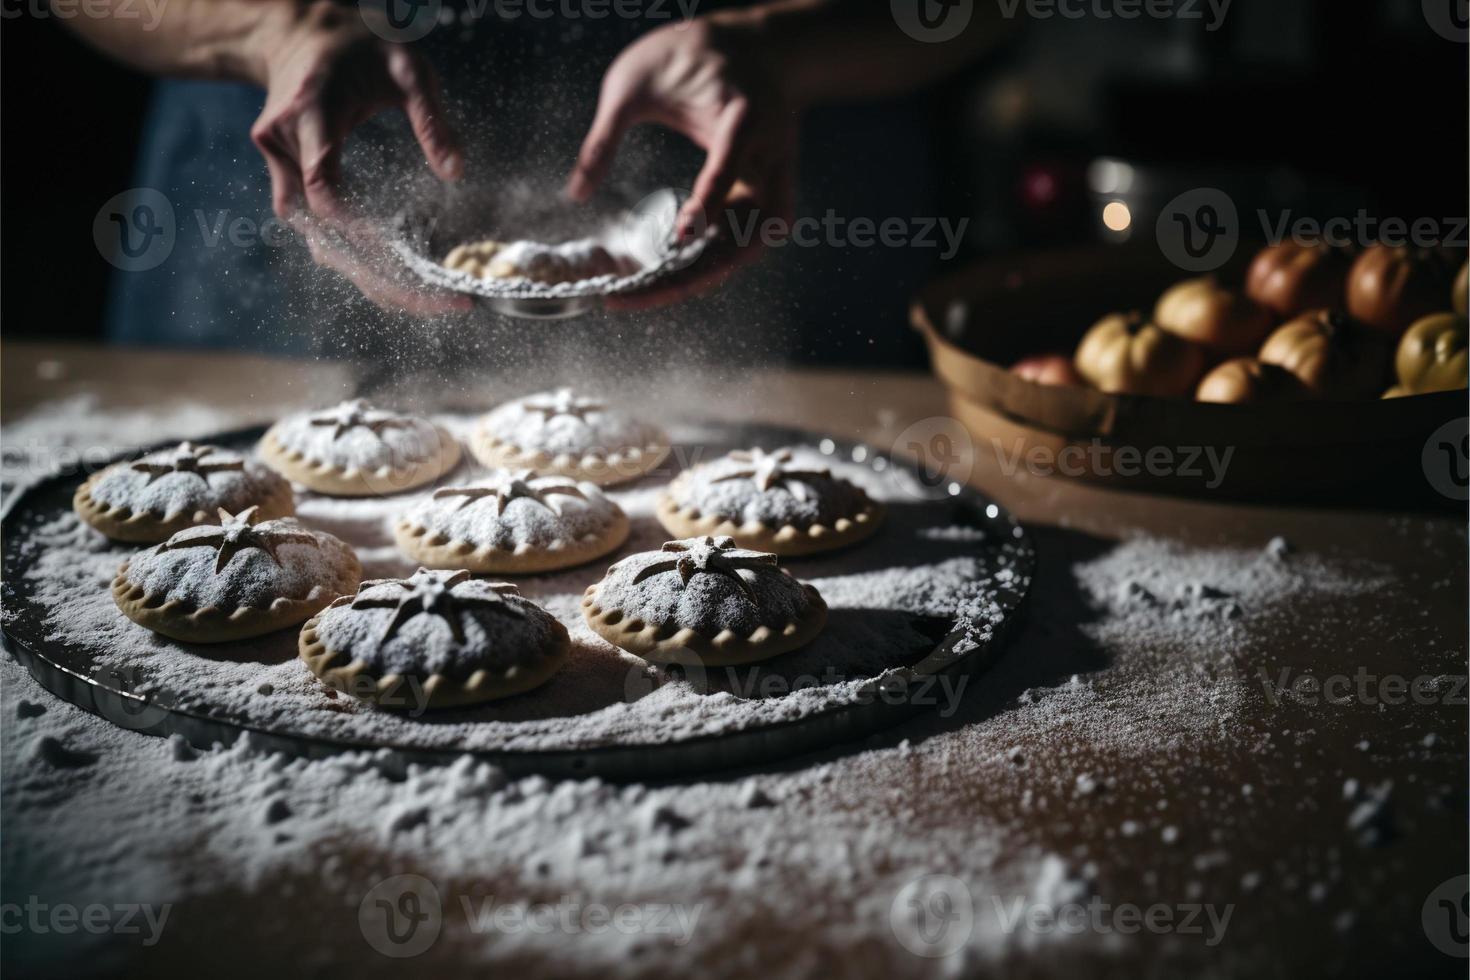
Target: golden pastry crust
{"type": "Point", "coordinates": [354, 677]}
{"type": "Point", "coordinates": [512, 521]}
{"type": "Point", "coordinates": [561, 433]}
{"type": "Point", "coordinates": [786, 540]}
{"type": "Point", "coordinates": [435, 550]}
{"type": "Point", "coordinates": [786, 502]}
{"type": "Point", "coordinates": [213, 624]}
{"type": "Point", "coordinates": [121, 523]}
{"type": "Point", "coordinates": [601, 468]}
{"type": "Point", "coordinates": [339, 481]}
{"type": "Point", "coordinates": [663, 643]}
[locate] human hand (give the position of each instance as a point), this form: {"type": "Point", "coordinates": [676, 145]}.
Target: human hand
{"type": "Point", "coordinates": [324, 73]}
{"type": "Point", "coordinates": [709, 82]}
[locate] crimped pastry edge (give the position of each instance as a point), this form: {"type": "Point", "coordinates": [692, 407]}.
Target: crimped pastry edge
{"type": "Point", "coordinates": [179, 620]}
{"type": "Point", "coordinates": [333, 669]}
{"type": "Point", "coordinates": [594, 466]}
{"type": "Point", "coordinates": [787, 540]}
{"type": "Point", "coordinates": [688, 646]}
{"type": "Point", "coordinates": [454, 553]}
{"type": "Point", "coordinates": [121, 523]}
{"type": "Point", "coordinates": [338, 481]}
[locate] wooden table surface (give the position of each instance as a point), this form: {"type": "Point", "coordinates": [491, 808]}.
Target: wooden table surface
{"type": "Point", "coordinates": [1289, 931]}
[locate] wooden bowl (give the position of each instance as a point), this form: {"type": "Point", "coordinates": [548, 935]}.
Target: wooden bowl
{"type": "Point", "coordinates": [981, 319]}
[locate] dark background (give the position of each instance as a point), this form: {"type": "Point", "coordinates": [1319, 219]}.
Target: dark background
{"type": "Point", "coordinates": [1351, 103]}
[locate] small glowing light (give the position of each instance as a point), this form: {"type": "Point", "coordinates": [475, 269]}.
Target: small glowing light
{"type": "Point", "coordinates": [1107, 176]}
{"type": "Point", "coordinates": [827, 446]}
{"type": "Point", "coordinates": [859, 453]}
{"type": "Point", "coordinates": [1117, 216]}
{"type": "Point", "coordinates": [992, 511]}
{"type": "Point", "coordinates": [954, 489]}
{"type": "Point", "coordinates": [879, 464]}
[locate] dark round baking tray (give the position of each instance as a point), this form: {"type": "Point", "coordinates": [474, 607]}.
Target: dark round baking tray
{"type": "Point", "coordinates": [965, 649]}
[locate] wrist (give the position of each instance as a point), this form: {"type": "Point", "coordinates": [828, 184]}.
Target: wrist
{"type": "Point", "coordinates": [753, 39]}
{"type": "Point", "coordinates": [771, 37]}
{"type": "Point", "coordinates": [274, 25]}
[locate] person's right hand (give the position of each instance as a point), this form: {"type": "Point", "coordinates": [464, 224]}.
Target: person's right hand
{"type": "Point", "coordinates": [711, 82]}
{"type": "Point", "coordinates": [324, 73]}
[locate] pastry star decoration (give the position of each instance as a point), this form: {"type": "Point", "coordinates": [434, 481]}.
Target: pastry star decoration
{"type": "Point", "coordinates": [714, 556]}
{"type": "Point", "coordinates": [235, 533]}
{"type": "Point", "coordinates": [356, 413]}
{"type": "Point", "coordinates": [766, 470]}
{"type": "Point", "coordinates": [188, 458]}
{"type": "Point", "coordinates": [504, 486]}
{"type": "Point", "coordinates": [431, 593]}
{"type": "Point", "coordinates": [562, 402]}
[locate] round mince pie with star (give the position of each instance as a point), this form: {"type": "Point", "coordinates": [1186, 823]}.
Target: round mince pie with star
{"type": "Point", "coordinates": [512, 522]}
{"type": "Point", "coordinates": [435, 639]}
{"type": "Point", "coordinates": [705, 601]}
{"type": "Point", "coordinates": [235, 579]}
{"type": "Point", "coordinates": [356, 450]}
{"type": "Point", "coordinates": [786, 502]}
{"type": "Point", "coordinates": [149, 499]}
{"type": "Point", "coordinates": [563, 433]}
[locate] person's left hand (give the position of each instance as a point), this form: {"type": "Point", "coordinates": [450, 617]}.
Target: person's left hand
{"type": "Point", "coordinates": [710, 83]}
{"type": "Point", "coordinates": [325, 73]}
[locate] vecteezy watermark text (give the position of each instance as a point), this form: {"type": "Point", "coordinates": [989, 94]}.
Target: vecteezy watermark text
{"type": "Point", "coordinates": [934, 915]}
{"type": "Point", "coordinates": [569, 916]}
{"type": "Point", "coordinates": [939, 690]}
{"type": "Point", "coordinates": [148, 11]}
{"type": "Point", "coordinates": [1212, 12]}
{"type": "Point", "coordinates": [1364, 229]}
{"type": "Point", "coordinates": [837, 231]}
{"type": "Point", "coordinates": [1364, 687]}
{"type": "Point", "coordinates": [406, 21]}
{"type": "Point", "coordinates": [1199, 230]}
{"type": "Point", "coordinates": [1098, 917]}
{"type": "Point", "coordinates": [1099, 459]}
{"type": "Point", "coordinates": [64, 918]}
{"type": "Point", "coordinates": [402, 916]}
